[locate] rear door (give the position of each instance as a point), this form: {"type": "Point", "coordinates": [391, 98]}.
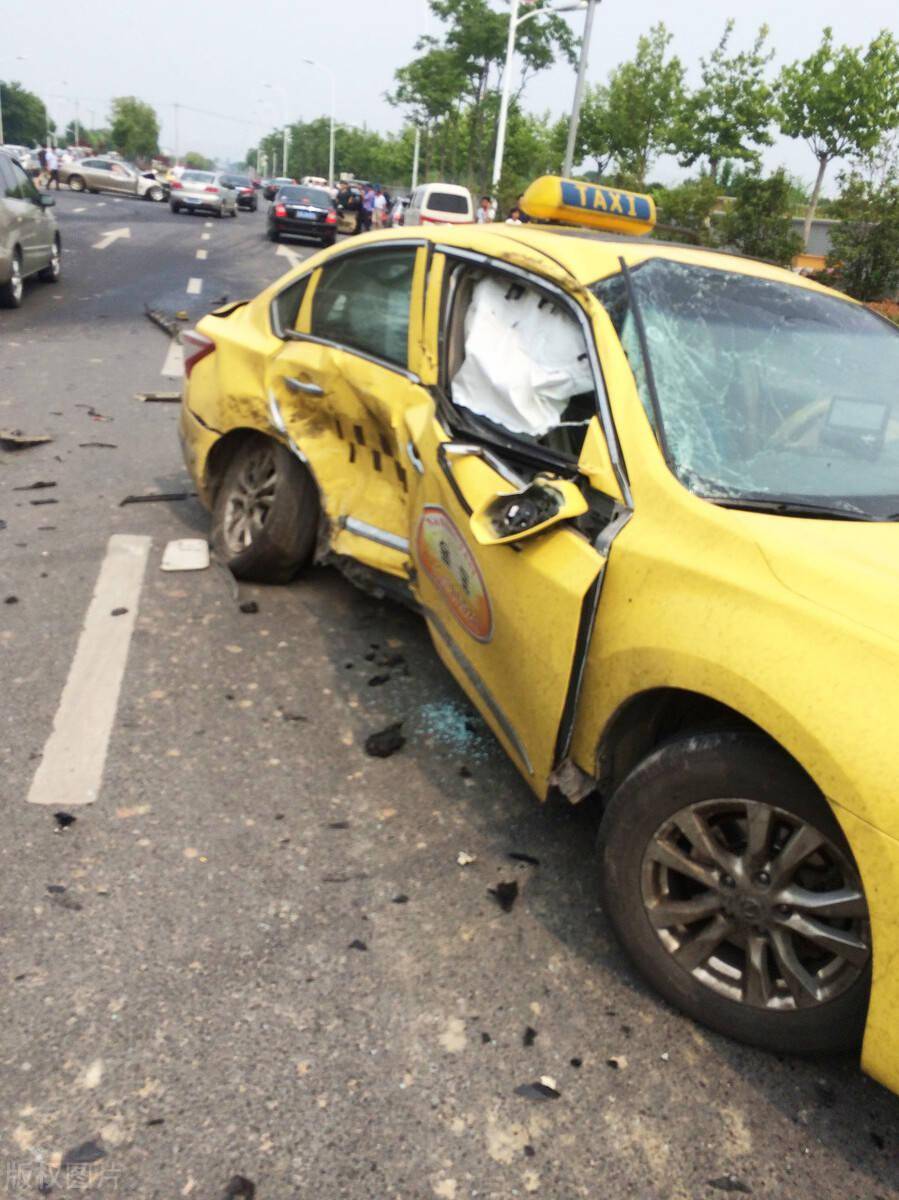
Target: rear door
{"type": "Point", "coordinates": [30, 225]}
{"type": "Point", "coordinates": [340, 388]}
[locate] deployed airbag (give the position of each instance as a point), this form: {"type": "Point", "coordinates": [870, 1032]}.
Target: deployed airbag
{"type": "Point", "coordinates": [524, 359]}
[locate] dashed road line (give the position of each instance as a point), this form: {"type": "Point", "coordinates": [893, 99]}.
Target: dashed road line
{"type": "Point", "coordinates": [202, 254]}
{"type": "Point", "coordinates": [204, 237]}
{"type": "Point", "coordinates": [208, 224]}
{"type": "Point", "coordinates": [78, 210]}
{"type": "Point", "coordinates": [194, 286]}
{"type": "Point", "coordinates": [71, 767]}
{"type": "Point", "coordinates": [173, 367]}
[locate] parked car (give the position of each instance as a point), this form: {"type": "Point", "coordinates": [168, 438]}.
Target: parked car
{"type": "Point", "coordinates": [440, 204]}
{"type": "Point", "coordinates": [204, 191]}
{"type": "Point", "coordinates": [108, 174]}
{"type": "Point", "coordinates": [646, 498]}
{"type": "Point", "coordinates": [270, 187]}
{"type": "Point", "coordinates": [29, 237]}
{"type": "Point", "coordinates": [303, 212]}
{"type": "Point", "coordinates": [246, 192]}
{"type": "Point", "coordinates": [25, 157]}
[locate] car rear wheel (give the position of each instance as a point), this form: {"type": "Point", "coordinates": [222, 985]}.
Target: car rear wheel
{"type": "Point", "coordinates": [11, 291]}
{"type": "Point", "coordinates": [273, 235]}
{"type": "Point", "coordinates": [53, 269]}
{"type": "Point", "coordinates": [266, 513]}
{"type": "Point", "coordinates": [76, 183]}
{"type": "Point", "coordinates": [733, 888]}
{"type": "Point", "coordinates": [155, 194]}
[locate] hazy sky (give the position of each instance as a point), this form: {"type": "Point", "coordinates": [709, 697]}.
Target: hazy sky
{"type": "Point", "coordinates": [218, 57]}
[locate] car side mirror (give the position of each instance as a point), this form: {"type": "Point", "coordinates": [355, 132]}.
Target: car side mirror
{"type": "Point", "coordinates": [44, 201]}
{"type": "Point", "coordinates": [511, 516]}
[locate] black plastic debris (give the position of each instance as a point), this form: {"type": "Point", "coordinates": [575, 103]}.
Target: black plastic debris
{"type": "Point", "coordinates": [64, 819]}
{"type": "Point", "coordinates": [39, 503]}
{"type": "Point", "coordinates": [37, 486]}
{"type": "Point", "coordinates": [357, 944]}
{"type": "Point", "coordinates": [118, 612]}
{"type": "Point", "coordinates": [392, 660]}
{"type": "Point", "coordinates": [386, 741]}
{"type": "Point", "coordinates": [55, 888]}
{"type": "Point", "coordinates": [248, 606]}
{"type": "Point", "coordinates": [486, 1039]}
{"type": "Point", "coordinates": [158, 397]}
{"type": "Point", "coordinates": [877, 1139]}
{"type": "Point", "coordinates": [239, 1188]}
{"type": "Point", "coordinates": [156, 1121]}
{"type": "Point", "coordinates": [63, 901]}
{"type": "Point", "coordinates": [505, 894]}
{"type": "Point", "coordinates": [15, 439]}
{"type": "Point", "coordinates": [378, 680]}
{"type": "Point", "coordinates": [537, 1091]}
{"type": "Point", "coordinates": [97, 446]}
{"type": "Point", "coordinates": [338, 824]}
{"type": "Point", "coordinates": [519, 856]}
{"type": "Point", "coordinates": [465, 772]}
{"type": "Point", "coordinates": [164, 322]}
{"type": "Point", "coordinates": [2, 524]}
{"type": "Point", "coordinates": [370, 656]}
{"type": "Point", "coordinates": [577, 1063]}
{"type": "Point", "coordinates": [84, 1152]}
{"type": "Point", "coordinates": [529, 1151]}
{"type": "Point", "coordinates": [730, 1183]}
{"type": "Point", "coordinates": [11, 600]}
{"type": "Point", "coordinates": [292, 716]}
{"type": "Point", "coordinates": [151, 497]}
{"type": "Point", "coordinates": [402, 898]}
{"type": "Point", "coordinates": [529, 1036]}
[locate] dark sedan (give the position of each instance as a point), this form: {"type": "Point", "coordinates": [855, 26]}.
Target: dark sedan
{"type": "Point", "coordinates": [271, 187]}
{"type": "Point", "coordinates": [246, 193]}
{"type": "Point", "coordinates": [303, 212]}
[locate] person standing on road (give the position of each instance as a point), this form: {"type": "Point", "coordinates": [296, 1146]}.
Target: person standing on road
{"type": "Point", "coordinates": [52, 161]}
{"type": "Point", "coordinates": [379, 212]}
{"type": "Point", "coordinates": [485, 212]}
{"type": "Point", "coordinates": [367, 209]}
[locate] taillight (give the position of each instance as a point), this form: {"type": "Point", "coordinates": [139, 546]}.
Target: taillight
{"type": "Point", "coordinates": [176, 183]}
{"type": "Point", "coordinates": [280, 210]}
{"type": "Point", "coordinates": [196, 346]}
{"type": "Point", "coordinates": [211, 189]}
{"type": "Point", "coordinates": [331, 218]}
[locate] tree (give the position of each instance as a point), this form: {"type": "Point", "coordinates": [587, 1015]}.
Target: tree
{"type": "Point", "coordinates": [730, 114]}
{"type": "Point", "coordinates": [865, 244]}
{"type": "Point", "coordinates": [199, 162]}
{"type": "Point", "coordinates": [24, 116]}
{"type": "Point", "coordinates": [687, 209]}
{"type": "Point", "coordinates": [840, 102]}
{"type": "Point", "coordinates": [595, 134]}
{"type": "Point", "coordinates": [644, 98]}
{"type": "Point", "coordinates": [134, 128]}
{"type": "Point", "coordinates": [760, 222]}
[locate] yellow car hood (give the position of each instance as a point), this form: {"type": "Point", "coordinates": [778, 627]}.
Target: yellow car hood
{"type": "Point", "coordinates": [848, 567]}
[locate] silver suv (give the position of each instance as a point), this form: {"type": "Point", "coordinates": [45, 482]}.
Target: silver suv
{"type": "Point", "coordinates": [204, 190]}
{"type": "Point", "coordinates": [29, 236]}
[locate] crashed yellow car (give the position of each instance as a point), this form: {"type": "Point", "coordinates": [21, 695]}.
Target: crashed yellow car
{"type": "Point", "coordinates": [645, 497]}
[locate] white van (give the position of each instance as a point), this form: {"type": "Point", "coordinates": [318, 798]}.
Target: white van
{"type": "Point", "coordinates": [440, 204]}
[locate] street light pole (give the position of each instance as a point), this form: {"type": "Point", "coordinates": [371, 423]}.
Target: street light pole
{"type": "Point", "coordinates": [283, 95]}
{"type": "Point", "coordinates": [312, 63]}
{"type": "Point", "coordinates": [575, 118]}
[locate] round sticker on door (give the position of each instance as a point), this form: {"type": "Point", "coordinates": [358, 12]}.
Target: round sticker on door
{"type": "Point", "coordinates": [451, 567]}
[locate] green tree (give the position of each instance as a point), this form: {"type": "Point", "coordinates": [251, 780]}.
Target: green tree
{"type": "Point", "coordinates": [645, 96]}
{"type": "Point", "coordinates": [134, 128]}
{"type": "Point", "coordinates": [730, 113]}
{"type": "Point", "coordinates": [865, 253]}
{"type": "Point", "coordinates": [686, 210]}
{"type": "Point", "coordinates": [595, 136]}
{"type": "Point", "coordinates": [24, 116]}
{"type": "Point", "coordinates": [199, 162]}
{"type": "Point", "coordinates": [840, 101]}
{"type": "Point", "coordinates": [760, 222]}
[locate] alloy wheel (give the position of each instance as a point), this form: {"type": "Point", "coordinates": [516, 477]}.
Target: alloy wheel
{"type": "Point", "coordinates": [16, 284]}
{"type": "Point", "coordinates": [53, 264]}
{"type": "Point", "coordinates": [756, 904]}
{"type": "Point", "coordinates": [250, 502]}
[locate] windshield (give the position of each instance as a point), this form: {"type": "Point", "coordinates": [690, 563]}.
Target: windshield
{"type": "Point", "coordinates": [764, 390]}
{"type": "Point", "coordinates": [311, 197]}
{"type": "Point", "coordinates": [198, 177]}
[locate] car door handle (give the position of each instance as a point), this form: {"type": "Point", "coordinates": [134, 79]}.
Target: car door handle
{"type": "Point", "coordinates": [297, 386]}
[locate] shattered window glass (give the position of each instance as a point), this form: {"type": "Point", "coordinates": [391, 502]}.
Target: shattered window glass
{"type": "Point", "coordinates": [362, 301]}
{"type": "Point", "coordinates": [764, 389]}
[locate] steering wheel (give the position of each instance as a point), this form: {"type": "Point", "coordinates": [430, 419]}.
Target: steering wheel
{"type": "Point", "coordinates": [799, 423]}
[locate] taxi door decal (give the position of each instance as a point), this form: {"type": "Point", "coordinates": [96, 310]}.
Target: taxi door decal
{"type": "Point", "coordinates": [448, 562]}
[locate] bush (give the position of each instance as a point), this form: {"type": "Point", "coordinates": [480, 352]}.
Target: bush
{"type": "Point", "coordinates": [865, 254]}
{"type": "Point", "coordinates": [759, 222]}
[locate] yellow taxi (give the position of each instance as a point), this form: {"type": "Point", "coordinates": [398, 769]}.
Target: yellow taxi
{"type": "Point", "coordinates": [645, 497]}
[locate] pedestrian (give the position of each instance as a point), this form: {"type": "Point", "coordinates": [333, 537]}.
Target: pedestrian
{"type": "Point", "coordinates": [52, 162]}
{"type": "Point", "coordinates": [522, 215]}
{"type": "Point", "coordinates": [398, 212]}
{"type": "Point", "coordinates": [379, 212]}
{"type": "Point", "coordinates": [484, 213]}
{"type": "Point", "coordinates": [366, 209]}
{"type": "Point", "coordinates": [42, 163]}
{"type": "Point", "coordinates": [514, 217]}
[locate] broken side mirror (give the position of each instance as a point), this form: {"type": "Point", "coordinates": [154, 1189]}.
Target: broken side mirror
{"type": "Point", "coordinates": [511, 516]}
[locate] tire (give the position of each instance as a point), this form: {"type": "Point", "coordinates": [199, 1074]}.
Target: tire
{"type": "Point", "coordinates": [273, 235]}
{"type": "Point", "coordinates": [12, 291]}
{"type": "Point", "coordinates": [219, 212]}
{"type": "Point", "coordinates": [155, 194]}
{"type": "Point", "coordinates": [722, 778]}
{"type": "Point", "coordinates": [176, 208]}
{"type": "Point", "coordinates": [328, 242]}
{"type": "Point", "coordinates": [271, 543]}
{"type": "Point", "coordinates": [76, 183]}
{"type": "Point", "coordinates": [53, 270]}
{"type": "Point", "coordinates": [234, 211]}
{"type": "Point", "coordinates": [94, 191]}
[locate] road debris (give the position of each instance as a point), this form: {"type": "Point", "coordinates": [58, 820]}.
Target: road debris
{"type": "Point", "coordinates": [38, 503]}
{"type": "Point", "coordinates": [11, 600]}
{"type": "Point", "coordinates": [84, 1152]}
{"type": "Point", "coordinates": [538, 1091]}
{"type": "Point", "coordinates": [386, 741]}
{"type": "Point", "coordinates": [158, 397]}
{"type": "Point", "coordinates": [402, 898]}
{"type": "Point", "coordinates": [518, 856]}
{"type": "Point", "coordinates": [730, 1183]}
{"type": "Point", "coordinates": [248, 606]}
{"type": "Point", "coordinates": [529, 1036]}
{"type": "Point", "coordinates": [64, 819]}
{"type": "Point", "coordinates": [464, 859]}
{"type": "Point", "coordinates": [15, 439]}
{"type": "Point", "coordinates": [576, 1062]}
{"type": "Point", "coordinates": [166, 323]}
{"type": "Point", "coordinates": [185, 554]}
{"type": "Point", "coordinates": [150, 497]}
{"type": "Point", "coordinates": [97, 446]}
{"type": "Point", "coordinates": [617, 1062]}
{"type": "Point", "coordinates": [239, 1188]}
{"type": "Point", "coordinates": [118, 612]}
{"type": "Point", "coordinates": [357, 944]}
{"type": "Point", "coordinates": [505, 894]}
{"type": "Point", "coordinates": [36, 486]}
{"type": "Point", "coordinates": [58, 896]}
{"type": "Point", "coordinates": [378, 680]}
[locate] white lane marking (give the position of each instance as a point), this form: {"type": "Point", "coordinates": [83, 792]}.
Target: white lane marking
{"type": "Point", "coordinates": [194, 286]}
{"type": "Point", "coordinates": [173, 367]}
{"type": "Point", "coordinates": [71, 768]}
{"type": "Point", "coordinates": [77, 210]}
{"type": "Point", "coordinates": [208, 224]}
{"type": "Point", "coordinates": [112, 235]}
{"type": "Point", "coordinates": [204, 237]}
{"type": "Point", "coordinates": [202, 254]}
{"type": "Point", "coordinates": [100, 204]}
{"type": "Point", "coordinates": [291, 255]}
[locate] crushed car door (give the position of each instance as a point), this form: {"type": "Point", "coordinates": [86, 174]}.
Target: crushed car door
{"type": "Point", "coordinates": [508, 581]}
{"type": "Point", "coordinates": [339, 388]}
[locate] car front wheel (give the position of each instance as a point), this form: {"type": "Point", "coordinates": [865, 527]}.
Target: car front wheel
{"type": "Point", "coordinates": [266, 513]}
{"type": "Point", "coordinates": [53, 269]}
{"type": "Point", "coordinates": [76, 183]}
{"type": "Point", "coordinates": [733, 888]}
{"type": "Point", "coordinates": [11, 291]}
{"type": "Point", "coordinates": [155, 194]}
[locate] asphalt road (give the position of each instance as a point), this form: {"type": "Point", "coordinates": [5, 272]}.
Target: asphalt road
{"type": "Point", "coordinates": [197, 1003]}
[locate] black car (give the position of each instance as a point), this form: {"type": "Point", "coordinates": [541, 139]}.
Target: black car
{"type": "Point", "coordinates": [246, 192]}
{"type": "Point", "coordinates": [304, 212]}
{"type": "Point", "coordinates": [271, 187]}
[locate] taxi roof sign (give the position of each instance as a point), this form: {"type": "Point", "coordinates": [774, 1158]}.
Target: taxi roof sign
{"type": "Point", "coordinates": [551, 198]}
